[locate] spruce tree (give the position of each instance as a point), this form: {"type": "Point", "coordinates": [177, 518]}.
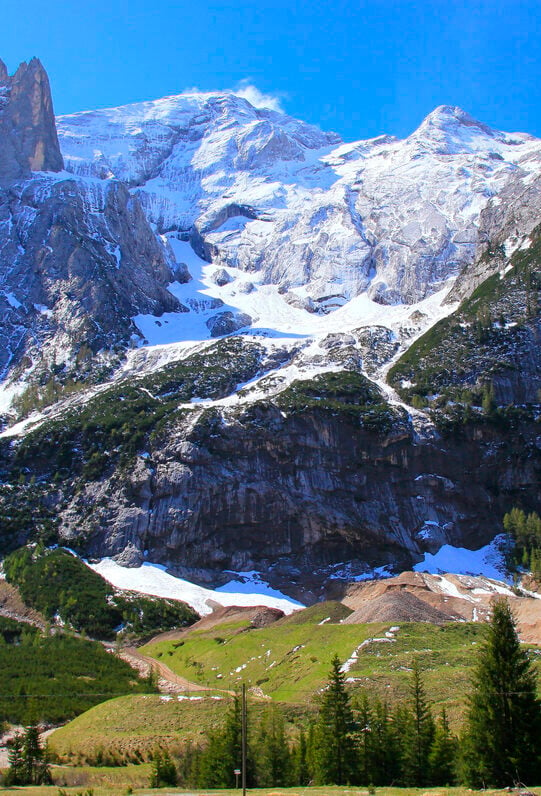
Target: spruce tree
{"type": "Point", "coordinates": [504, 714]}
{"type": "Point", "coordinates": [334, 740]}
{"type": "Point", "coordinates": [272, 757]}
{"type": "Point", "coordinates": [442, 757]}
{"type": "Point", "coordinates": [385, 746]}
{"type": "Point", "coordinates": [300, 762]}
{"type": "Point", "coordinates": [28, 760]}
{"type": "Point", "coordinates": [419, 735]}
{"type": "Point", "coordinates": [16, 774]}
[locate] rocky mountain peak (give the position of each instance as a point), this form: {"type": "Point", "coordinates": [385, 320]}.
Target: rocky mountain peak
{"type": "Point", "coordinates": [27, 125]}
{"type": "Point", "coordinates": [449, 130]}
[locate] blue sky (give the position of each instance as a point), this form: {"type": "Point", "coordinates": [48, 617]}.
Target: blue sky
{"type": "Point", "coordinates": [359, 68]}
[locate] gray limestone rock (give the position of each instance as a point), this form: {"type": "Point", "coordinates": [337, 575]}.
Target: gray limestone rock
{"type": "Point", "coordinates": [227, 322]}
{"type": "Point", "coordinates": [28, 138]}
{"type": "Point", "coordinates": [221, 277]}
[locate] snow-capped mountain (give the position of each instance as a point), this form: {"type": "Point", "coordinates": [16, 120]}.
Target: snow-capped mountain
{"type": "Point", "coordinates": [282, 202]}
{"type": "Point", "coordinates": [330, 435]}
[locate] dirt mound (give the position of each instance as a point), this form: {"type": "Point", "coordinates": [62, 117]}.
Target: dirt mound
{"type": "Point", "coordinates": [397, 606]}
{"type": "Point", "coordinates": [449, 597]}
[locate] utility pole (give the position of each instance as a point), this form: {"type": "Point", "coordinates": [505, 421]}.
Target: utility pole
{"type": "Point", "coordinates": [243, 739]}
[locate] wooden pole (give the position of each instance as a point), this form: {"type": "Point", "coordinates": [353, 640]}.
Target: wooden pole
{"type": "Point", "coordinates": [243, 739]}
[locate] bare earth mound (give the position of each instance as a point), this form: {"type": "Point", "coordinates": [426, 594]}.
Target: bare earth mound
{"type": "Point", "coordinates": [440, 598]}
{"type": "Point", "coordinates": [397, 606]}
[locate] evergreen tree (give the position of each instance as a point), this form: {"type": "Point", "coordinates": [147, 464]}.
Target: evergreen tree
{"type": "Point", "coordinates": [273, 762]}
{"type": "Point", "coordinates": [163, 771]}
{"type": "Point", "coordinates": [504, 715]}
{"type": "Point", "coordinates": [28, 759]}
{"type": "Point", "coordinates": [442, 757]}
{"type": "Point", "coordinates": [385, 746]}
{"type": "Point", "coordinates": [334, 740]}
{"type": "Point", "coordinates": [224, 753]}
{"type": "Point", "coordinates": [365, 719]}
{"type": "Point", "coordinates": [419, 735]}
{"type": "Point", "coordinates": [300, 762]}
{"type": "Point", "coordinates": [16, 772]}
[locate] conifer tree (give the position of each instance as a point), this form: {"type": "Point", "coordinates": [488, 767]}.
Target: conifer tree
{"type": "Point", "coordinates": [365, 719]}
{"type": "Point", "coordinates": [419, 735]}
{"type": "Point", "coordinates": [385, 746]}
{"type": "Point", "coordinates": [501, 743]}
{"type": "Point", "coordinates": [163, 771]}
{"type": "Point", "coordinates": [442, 757]}
{"type": "Point", "coordinates": [334, 740]}
{"type": "Point", "coordinates": [16, 772]}
{"type": "Point", "coordinates": [224, 753]}
{"type": "Point", "coordinates": [300, 762]}
{"type": "Point", "coordinates": [272, 757]}
{"type": "Point", "coordinates": [28, 760]}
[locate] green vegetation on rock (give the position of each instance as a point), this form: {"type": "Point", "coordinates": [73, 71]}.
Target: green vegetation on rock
{"type": "Point", "coordinates": [347, 394]}
{"type": "Point", "coordinates": [457, 368]}
{"type": "Point", "coordinates": [59, 584]}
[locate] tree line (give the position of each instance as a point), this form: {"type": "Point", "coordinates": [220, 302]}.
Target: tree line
{"type": "Point", "coordinates": [366, 741]}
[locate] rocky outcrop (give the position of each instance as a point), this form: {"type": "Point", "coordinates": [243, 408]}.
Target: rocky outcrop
{"type": "Point", "coordinates": [293, 495]}
{"type": "Point", "coordinates": [28, 138]}
{"type": "Point", "coordinates": [77, 261]}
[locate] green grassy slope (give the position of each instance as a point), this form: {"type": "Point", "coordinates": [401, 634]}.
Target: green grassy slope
{"type": "Point", "coordinates": [289, 660]}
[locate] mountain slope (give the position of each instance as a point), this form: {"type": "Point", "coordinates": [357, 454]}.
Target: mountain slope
{"type": "Point", "coordinates": [282, 448]}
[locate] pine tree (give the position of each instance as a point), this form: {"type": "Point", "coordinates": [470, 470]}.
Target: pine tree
{"type": "Point", "coordinates": [442, 757]}
{"type": "Point", "coordinates": [163, 771]}
{"type": "Point", "coordinates": [365, 721]}
{"type": "Point", "coordinates": [334, 740]}
{"type": "Point", "coordinates": [385, 746]}
{"type": "Point", "coordinates": [16, 772]}
{"type": "Point", "coordinates": [419, 735]}
{"type": "Point", "coordinates": [300, 762]}
{"type": "Point", "coordinates": [224, 753]}
{"type": "Point", "coordinates": [504, 715]}
{"type": "Point", "coordinates": [28, 760]}
{"type": "Point", "coordinates": [273, 761]}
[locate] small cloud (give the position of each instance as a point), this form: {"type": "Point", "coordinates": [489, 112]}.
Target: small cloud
{"type": "Point", "coordinates": [255, 97]}
{"type": "Point", "coordinates": [249, 92]}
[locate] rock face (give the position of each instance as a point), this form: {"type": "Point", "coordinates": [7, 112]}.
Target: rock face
{"type": "Point", "coordinates": [28, 138]}
{"type": "Point", "coordinates": [330, 435]}
{"type": "Point", "coordinates": [294, 495]}
{"type": "Point", "coordinates": [78, 261]}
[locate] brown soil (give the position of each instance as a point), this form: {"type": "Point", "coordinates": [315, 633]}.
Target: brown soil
{"type": "Point", "coordinates": [458, 597]}
{"type": "Point", "coordinates": [397, 606]}
{"type": "Point", "coordinates": [12, 607]}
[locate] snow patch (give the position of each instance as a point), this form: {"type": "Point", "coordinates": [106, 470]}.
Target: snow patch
{"type": "Point", "coordinates": [487, 561]}
{"type": "Point", "coordinates": [153, 579]}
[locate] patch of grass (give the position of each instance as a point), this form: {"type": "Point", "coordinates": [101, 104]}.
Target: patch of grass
{"type": "Point", "coordinates": [97, 780]}
{"type": "Point", "coordinates": [348, 394]}
{"type": "Point", "coordinates": [136, 725]}
{"type": "Point", "coordinates": [290, 659]}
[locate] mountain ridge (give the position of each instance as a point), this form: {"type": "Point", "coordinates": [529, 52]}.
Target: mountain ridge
{"type": "Point", "coordinates": [226, 289]}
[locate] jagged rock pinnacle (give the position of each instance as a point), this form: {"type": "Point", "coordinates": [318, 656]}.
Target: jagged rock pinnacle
{"type": "Point", "coordinates": [28, 135]}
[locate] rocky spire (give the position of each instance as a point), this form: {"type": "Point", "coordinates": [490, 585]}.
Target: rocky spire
{"type": "Point", "coordinates": [28, 139]}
